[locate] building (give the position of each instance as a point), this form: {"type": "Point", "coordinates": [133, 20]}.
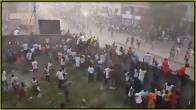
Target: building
{"type": "Point", "coordinates": [189, 15]}
{"type": "Point", "coordinates": [18, 15]}
{"type": "Point", "coordinates": [132, 12]}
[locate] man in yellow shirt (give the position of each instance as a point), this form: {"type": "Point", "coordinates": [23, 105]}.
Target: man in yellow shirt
{"type": "Point", "coordinates": [167, 98]}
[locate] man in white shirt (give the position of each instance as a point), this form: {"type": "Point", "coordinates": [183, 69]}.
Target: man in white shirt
{"type": "Point", "coordinates": [32, 50]}
{"type": "Point", "coordinates": [177, 51]}
{"type": "Point", "coordinates": [47, 73]}
{"type": "Point", "coordinates": [69, 50]}
{"type": "Point", "coordinates": [127, 77]}
{"type": "Point", "coordinates": [118, 52]}
{"type": "Point", "coordinates": [138, 97]}
{"type": "Point", "coordinates": [14, 80]}
{"type": "Point", "coordinates": [131, 92]}
{"type": "Point", "coordinates": [136, 73]}
{"type": "Point", "coordinates": [82, 60]}
{"type": "Point", "coordinates": [168, 87]}
{"type": "Point", "coordinates": [78, 41]}
{"type": "Point", "coordinates": [66, 58]}
{"type": "Point", "coordinates": [35, 87]}
{"type": "Point", "coordinates": [49, 65]}
{"type": "Point", "coordinates": [142, 74]}
{"type": "Point", "coordinates": [107, 74]}
{"type": "Point", "coordinates": [82, 38]}
{"type": "Point", "coordinates": [62, 62]}
{"type": "Point", "coordinates": [34, 66]}
{"type": "Point", "coordinates": [39, 47]}
{"type": "Point", "coordinates": [47, 40]}
{"type": "Point", "coordinates": [60, 78]}
{"type": "Point", "coordinates": [148, 58]}
{"type": "Point", "coordinates": [73, 54]}
{"type": "Point", "coordinates": [65, 48]}
{"type": "Point", "coordinates": [178, 40]}
{"type": "Point", "coordinates": [16, 32]}
{"type": "Point", "coordinates": [34, 83]}
{"type": "Point", "coordinates": [77, 61]}
{"type": "Point", "coordinates": [25, 47]}
{"type": "Point", "coordinates": [29, 56]}
{"type": "Point", "coordinates": [4, 80]}
{"type": "Point", "coordinates": [59, 54]}
{"type": "Point", "coordinates": [47, 46]}
{"type": "Point", "coordinates": [102, 58]}
{"type": "Point", "coordinates": [91, 73]}
{"type": "Point", "coordinates": [96, 56]}
{"type": "Point", "coordinates": [36, 46]}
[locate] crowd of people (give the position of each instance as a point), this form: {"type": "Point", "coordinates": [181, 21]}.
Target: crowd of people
{"type": "Point", "coordinates": [155, 34]}
{"type": "Point", "coordinates": [114, 65]}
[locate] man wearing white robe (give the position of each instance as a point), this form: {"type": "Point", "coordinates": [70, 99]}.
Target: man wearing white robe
{"type": "Point", "coordinates": [141, 76]}
{"type": "Point", "coordinates": [25, 47]}
{"type": "Point", "coordinates": [138, 97]}
{"type": "Point", "coordinates": [77, 61]}
{"type": "Point", "coordinates": [29, 56]}
{"type": "Point", "coordinates": [148, 58]}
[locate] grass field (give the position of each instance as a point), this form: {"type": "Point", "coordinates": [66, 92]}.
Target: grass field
{"type": "Point", "coordinates": [95, 93]}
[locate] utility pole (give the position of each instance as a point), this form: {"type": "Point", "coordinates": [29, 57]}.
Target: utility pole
{"type": "Point", "coordinates": [34, 13]}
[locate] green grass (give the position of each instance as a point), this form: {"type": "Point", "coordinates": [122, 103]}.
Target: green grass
{"type": "Point", "coordinates": [80, 88]}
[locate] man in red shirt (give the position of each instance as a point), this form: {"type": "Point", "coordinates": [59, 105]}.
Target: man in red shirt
{"type": "Point", "coordinates": [182, 70]}
{"type": "Point", "coordinates": [166, 67]}
{"type": "Point", "coordinates": [174, 99]}
{"type": "Point", "coordinates": [181, 73]}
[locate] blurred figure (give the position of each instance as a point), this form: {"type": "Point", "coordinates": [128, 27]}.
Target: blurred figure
{"type": "Point", "coordinates": [65, 86]}
{"type": "Point", "coordinates": [187, 56]}
{"type": "Point", "coordinates": [22, 92]}
{"type": "Point", "coordinates": [77, 61]}
{"type": "Point", "coordinates": [16, 32]}
{"type": "Point", "coordinates": [181, 73]}
{"type": "Point", "coordinates": [172, 52]}
{"type": "Point", "coordinates": [166, 67]}
{"type": "Point", "coordinates": [91, 73]}
{"type": "Point", "coordinates": [148, 58]}
{"type": "Point", "coordinates": [47, 73]}
{"type": "Point", "coordinates": [175, 99]}
{"type": "Point", "coordinates": [4, 80]}
{"type": "Point", "coordinates": [167, 99]}
{"type": "Point", "coordinates": [62, 62]}
{"type": "Point", "coordinates": [107, 75]}
{"type": "Point", "coordinates": [127, 40]}
{"type": "Point", "coordinates": [34, 84]}
{"type": "Point", "coordinates": [15, 82]}
{"type": "Point", "coordinates": [132, 41]}
{"type": "Point", "coordinates": [138, 43]}
{"type": "Point", "coordinates": [60, 78]}
{"type": "Point", "coordinates": [151, 99]}
{"type": "Point", "coordinates": [131, 95]}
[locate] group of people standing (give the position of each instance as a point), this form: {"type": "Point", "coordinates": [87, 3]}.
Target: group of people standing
{"type": "Point", "coordinates": [110, 65]}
